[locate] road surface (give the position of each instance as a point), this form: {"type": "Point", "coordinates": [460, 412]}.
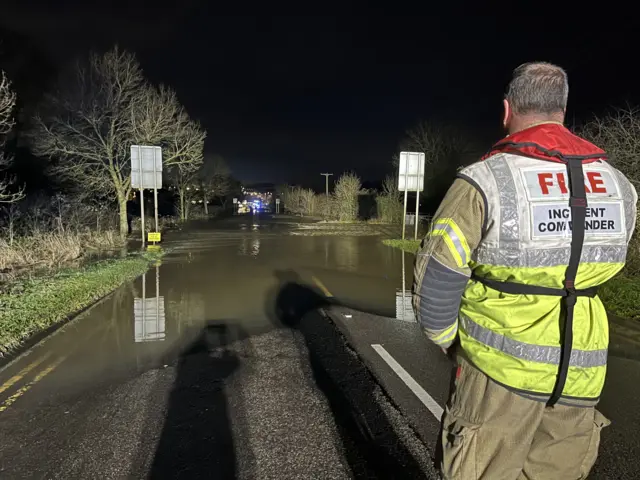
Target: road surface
{"type": "Point", "coordinates": [256, 355]}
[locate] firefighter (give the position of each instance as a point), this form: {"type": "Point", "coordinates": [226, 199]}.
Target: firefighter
{"type": "Point", "coordinates": [506, 283]}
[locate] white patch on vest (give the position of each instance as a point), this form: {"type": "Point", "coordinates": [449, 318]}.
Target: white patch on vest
{"type": "Point", "coordinates": [554, 219]}
{"type": "Point", "coordinates": [552, 183]}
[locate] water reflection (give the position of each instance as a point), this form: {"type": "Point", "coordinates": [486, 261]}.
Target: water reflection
{"type": "Point", "coordinates": [249, 246]}
{"type": "Point", "coordinates": [148, 314]}
{"type": "Point", "coordinates": [346, 253]}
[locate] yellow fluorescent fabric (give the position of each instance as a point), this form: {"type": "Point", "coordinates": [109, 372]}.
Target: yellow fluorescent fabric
{"type": "Point", "coordinates": [454, 238]}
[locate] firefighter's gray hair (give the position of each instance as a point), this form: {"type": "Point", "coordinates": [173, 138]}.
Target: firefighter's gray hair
{"type": "Point", "coordinates": [538, 88]}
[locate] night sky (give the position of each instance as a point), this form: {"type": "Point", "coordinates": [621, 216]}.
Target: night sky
{"type": "Point", "coordinates": [286, 97]}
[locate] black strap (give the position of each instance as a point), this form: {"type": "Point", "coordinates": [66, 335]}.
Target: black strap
{"type": "Point", "coordinates": [578, 204]}
{"type": "Point", "coordinates": [514, 288]}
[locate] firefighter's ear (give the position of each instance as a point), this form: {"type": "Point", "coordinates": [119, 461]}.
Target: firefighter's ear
{"type": "Point", "coordinates": [507, 113]}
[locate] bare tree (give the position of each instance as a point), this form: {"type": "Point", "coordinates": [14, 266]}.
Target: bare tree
{"type": "Point", "coordinates": [619, 135]}
{"type": "Point", "coordinates": [7, 105]}
{"type": "Point", "coordinates": [184, 178]}
{"type": "Point", "coordinates": [445, 149]}
{"type": "Point", "coordinates": [99, 110]}
{"type": "Point", "coordinates": [214, 179]}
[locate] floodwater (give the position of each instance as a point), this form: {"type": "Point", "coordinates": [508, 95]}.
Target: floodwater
{"type": "Point", "coordinates": [198, 346]}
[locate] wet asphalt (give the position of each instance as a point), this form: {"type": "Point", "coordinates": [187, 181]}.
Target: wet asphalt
{"type": "Point", "coordinates": [248, 354]}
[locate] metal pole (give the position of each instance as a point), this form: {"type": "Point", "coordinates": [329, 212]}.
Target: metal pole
{"type": "Point", "coordinates": [404, 287]}
{"type": "Point", "coordinates": [404, 219]}
{"type": "Point", "coordinates": [406, 191]}
{"type": "Point", "coordinates": [157, 298]}
{"type": "Point", "coordinates": [144, 302]}
{"type": "Point", "coordinates": [155, 188]}
{"type": "Point", "coordinates": [415, 235]}
{"type": "Point", "coordinates": [326, 188]}
{"type": "Point", "coordinates": [141, 196]}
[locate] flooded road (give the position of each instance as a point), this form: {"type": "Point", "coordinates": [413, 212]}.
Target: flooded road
{"type": "Point", "coordinates": [215, 364]}
{"type": "Point", "coordinates": [249, 353]}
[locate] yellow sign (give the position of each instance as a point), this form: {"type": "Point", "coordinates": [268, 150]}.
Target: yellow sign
{"type": "Point", "coordinates": [153, 236]}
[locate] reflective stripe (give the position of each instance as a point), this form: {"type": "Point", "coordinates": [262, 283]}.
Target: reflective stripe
{"type": "Point", "coordinates": [528, 351]}
{"type": "Point", "coordinates": [446, 336]}
{"type": "Point", "coordinates": [455, 240]}
{"type": "Point", "coordinates": [549, 257]}
{"type": "Point", "coordinates": [629, 201]}
{"type": "Point", "coordinates": [509, 213]}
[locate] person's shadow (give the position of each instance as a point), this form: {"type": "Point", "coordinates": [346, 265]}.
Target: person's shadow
{"type": "Point", "coordinates": [371, 445]}
{"type": "Point", "coordinates": [197, 440]}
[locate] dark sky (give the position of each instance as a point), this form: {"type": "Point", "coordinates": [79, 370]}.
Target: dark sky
{"type": "Point", "coordinates": [287, 97]}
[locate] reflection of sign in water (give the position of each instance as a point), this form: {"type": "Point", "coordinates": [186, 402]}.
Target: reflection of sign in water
{"type": "Point", "coordinates": [405, 313]}
{"type": "Point", "coordinates": [148, 314]}
{"type": "Point", "coordinates": [149, 319]}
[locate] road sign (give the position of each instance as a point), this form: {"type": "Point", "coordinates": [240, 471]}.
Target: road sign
{"type": "Point", "coordinates": [235, 200]}
{"type": "Point", "coordinates": [411, 177]}
{"type": "Point", "coordinates": [411, 171]}
{"type": "Point", "coordinates": [146, 164]}
{"type": "Point", "coordinates": [154, 236]}
{"type": "Point", "coordinates": [277, 201]}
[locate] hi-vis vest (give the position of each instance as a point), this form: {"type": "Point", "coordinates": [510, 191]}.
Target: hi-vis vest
{"type": "Point", "coordinates": [530, 318]}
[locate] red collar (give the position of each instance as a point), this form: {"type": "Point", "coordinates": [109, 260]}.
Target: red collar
{"type": "Point", "coordinates": [548, 141]}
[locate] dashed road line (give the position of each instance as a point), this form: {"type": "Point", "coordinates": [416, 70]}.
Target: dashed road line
{"type": "Point", "coordinates": [322, 288]}
{"type": "Point", "coordinates": [414, 386]}
{"type": "Point", "coordinates": [16, 378]}
{"type": "Point", "coordinates": [9, 401]}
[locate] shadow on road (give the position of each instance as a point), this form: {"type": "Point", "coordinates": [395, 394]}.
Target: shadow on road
{"type": "Point", "coordinates": [197, 440]}
{"type": "Point", "coordinates": [371, 445]}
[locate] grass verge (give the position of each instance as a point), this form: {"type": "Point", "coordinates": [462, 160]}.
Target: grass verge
{"type": "Point", "coordinates": [620, 295]}
{"type": "Point", "coordinates": [411, 246]}
{"type": "Point", "coordinates": [32, 305]}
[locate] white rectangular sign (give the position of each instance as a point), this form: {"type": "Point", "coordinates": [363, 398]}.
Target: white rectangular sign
{"type": "Point", "coordinates": [411, 171]}
{"type": "Point", "coordinates": [554, 219]}
{"type": "Point", "coordinates": [146, 160]}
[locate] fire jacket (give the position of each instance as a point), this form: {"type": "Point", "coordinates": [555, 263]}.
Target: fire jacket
{"type": "Point", "coordinates": [513, 259]}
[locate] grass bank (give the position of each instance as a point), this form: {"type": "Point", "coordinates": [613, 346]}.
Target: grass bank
{"type": "Point", "coordinates": [29, 306]}
{"type": "Point", "coordinates": [410, 246]}
{"type": "Point", "coordinates": [620, 295]}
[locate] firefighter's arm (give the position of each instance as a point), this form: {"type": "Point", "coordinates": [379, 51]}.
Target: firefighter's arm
{"type": "Point", "coordinates": [441, 270]}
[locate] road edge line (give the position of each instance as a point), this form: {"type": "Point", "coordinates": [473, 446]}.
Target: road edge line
{"type": "Point", "coordinates": [426, 399]}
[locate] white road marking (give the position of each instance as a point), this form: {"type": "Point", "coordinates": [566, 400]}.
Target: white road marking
{"type": "Point", "coordinates": [414, 386]}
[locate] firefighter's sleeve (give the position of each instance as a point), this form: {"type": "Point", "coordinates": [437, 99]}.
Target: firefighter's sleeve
{"type": "Point", "coordinates": [441, 270]}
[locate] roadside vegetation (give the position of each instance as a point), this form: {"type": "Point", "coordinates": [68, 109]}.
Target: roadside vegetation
{"type": "Point", "coordinates": [30, 305]}
{"type": "Point", "coordinates": [64, 242]}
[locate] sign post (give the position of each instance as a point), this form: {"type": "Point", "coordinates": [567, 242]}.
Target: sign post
{"type": "Point", "coordinates": [235, 206]}
{"type": "Point", "coordinates": [155, 188]}
{"type": "Point", "coordinates": [142, 225]}
{"type": "Point", "coordinates": [410, 177]}
{"type": "Point", "coordinates": [277, 205]}
{"type": "Point", "coordinates": [146, 172]}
